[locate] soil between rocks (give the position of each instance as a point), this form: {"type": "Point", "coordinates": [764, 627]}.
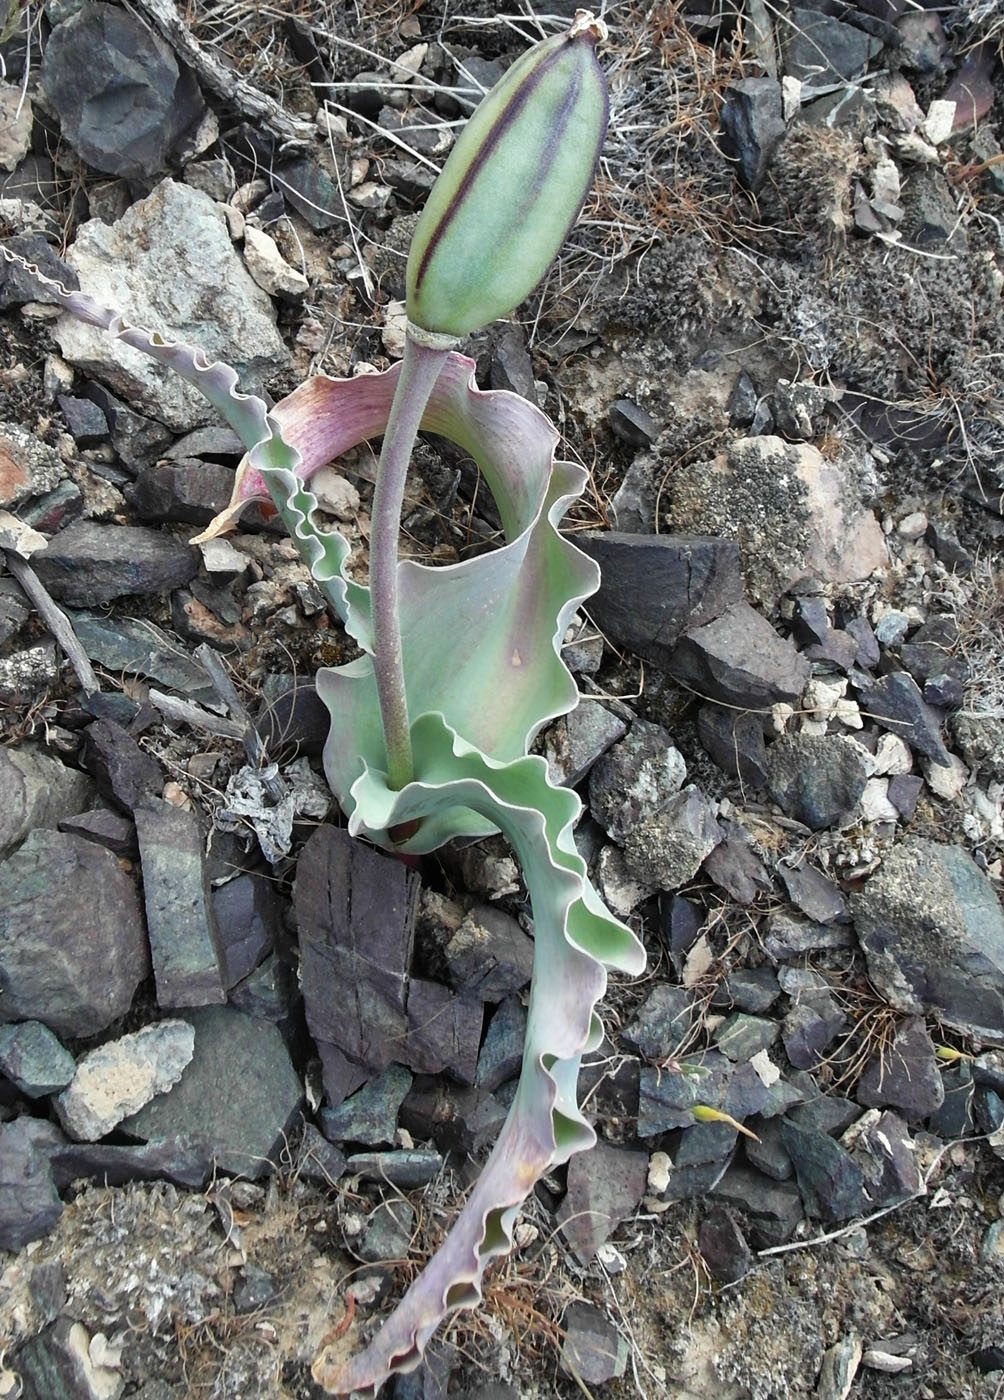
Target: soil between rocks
{"type": "Point", "coordinates": [679, 277]}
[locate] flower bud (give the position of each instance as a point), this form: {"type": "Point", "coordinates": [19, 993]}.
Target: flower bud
{"type": "Point", "coordinates": [512, 186]}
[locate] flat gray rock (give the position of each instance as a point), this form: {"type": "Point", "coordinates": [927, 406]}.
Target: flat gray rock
{"type": "Point", "coordinates": [932, 931]}
{"type": "Point", "coordinates": [76, 975]}
{"type": "Point", "coordinates": [605, 1186]}
{"type": "Point", "coordinates": [239, 1096]}
{"type": "Point", "coordinates": [188, 958]}
{"type": "Point", "coordinates": [33, 1059]}
{"type": "Point", "coordinates": [739, 660]}
{"type": "Point", "coordinates": [816, 779]}
{"type": "Point", "coordinates": [91, 562]}
{"type": "Point", "coordinates": [905, 1075]}
{"type": "Point", "coordinates": [36, 790]}
{"type": "Point", "coordinates": [166, 260]}
{"type": "Point", "coordinates": [29, 1202]}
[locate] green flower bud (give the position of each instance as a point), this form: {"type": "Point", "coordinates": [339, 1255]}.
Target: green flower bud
{"type": "Point", "coordinates": [512, 186]}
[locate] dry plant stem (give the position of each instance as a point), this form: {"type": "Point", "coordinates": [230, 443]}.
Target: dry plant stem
{"type": "Point", "coordinates": [55, 619]}
{"type": "Point", "coordinates": [419, 372]}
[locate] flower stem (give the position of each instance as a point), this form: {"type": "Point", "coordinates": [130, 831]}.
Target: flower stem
{"type": "Point", "coordinates": [419, 372]}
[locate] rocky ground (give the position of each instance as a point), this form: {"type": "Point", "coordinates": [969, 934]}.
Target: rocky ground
{"type": "Point", "coordinates": [775, 339]}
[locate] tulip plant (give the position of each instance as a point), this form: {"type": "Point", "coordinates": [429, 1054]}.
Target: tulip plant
{"type": "Point", "coordinates": [460, 666]}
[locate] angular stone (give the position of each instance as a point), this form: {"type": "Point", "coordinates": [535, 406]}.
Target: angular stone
{"type": "Point", "coordinates": [723, 1246]}
{"type": "Point", "coordinates": [370, 1115]}
{"type": "Point", "coordinates": [735, 867]}
{"type": "Point", "coordinates": [29, 1202]}
{"type": "Point", "coordinates": [830, 1181]}
{"type": "Point", "coordinates": [105, 828]}
{"type": "Point", "coordinates": [36, 791]}
{"type": "Point", "coordinates": [883, 1149]}
{"type": "Point", "coordinates": [248, 914]}
{"type": "Point", "coordinates": [773, 1208]}
{"type": "Point", "coordinates": [605, 1186]}
{"type": "Point", "coordinates": [388, 1231]}
{"type": "Point", "coordinates": [662, 1022]}
{"type": "Point", "coordinates": [86, 422]}
{"type": "Point", "coordinates": [444, 1031]}
{"type": "Point", "coordinates": [812, 892]}
{"type": "Point", "coordinates": [33, 1060]}
{"type": "Point", "coordinates": [162, 263]}
{"type": "Point", "coordinates": [734, 739]}
{"type": "Point", "coordinates": [124, 772]}
{"type": "Point", "coordinates": [666, 849]}
{"type": "Point", "coordinates": [407, 1169]}
{"type": "Point", "coordinates": [654, 587]}
{"type": "Point", "coordinates": [502, 1052]}
{"type": "Point", "coordinates": [239, 1096]}
{"type": "Point", "coordinates": [635, 779]}
{"type": "Point", "coordinates": [178, 1159]}
{"type": "Point", "coordinates": [189, 490]}
{"type": "Point", "coordinates": [593, 1349]}
{"type": "Point", "coordinates": [816, 779]}
{"type": "Point", "coordinates": [632, 424]}
{"type": "Point", "coordinates": [932, 931]}
{"type": "Point", "coordinates": [28, 466]}
{"type": "Point", "coordinates": [810, 1027]}
{"type": "Point", "coordinates": [821, 51]}
{"type": "Point", "coordinates": [752, 122]}
{"type": "Point", "coordinates": [740, 1036]}
{"type": "Point", "coordinates": [740, 660]}
{"type": "Point", "coordinates": [897, 703]}
{"type": "Point", "coordinates": [905, 1075]}
{"type": "Point", "coordinates": [123, 102]}
{"type": "Point", "coordinates": [77, 976]}
{"type": "Point", "coordinates": [137, 439]}
{"type": "Point", "coordinates": [489, 957]}
{"type": "Point", "coordinates": [980, 740]}
{"type": "Point", "coordinates": [753, 990]}
{"type": "Point", "coordinates": [312, 193]}
{"type": "Point", "coordinates": [121, 1076]}
{"type": "Point", "coordinates": [141, 648]}
{"type": "Point", "coordinates": [788, 936]}
{"type": "Point", "coordinates": [271, 993]}
{"type": "Point", "coordinates": [90, 563]}
{"type": "Point", "coordinates": [574, 743]}
{"type": "Point", "coordinates": [319, 1160]}
{"type": "Point", "coordinates": [355, 910]}
{"type": "Point", "coordinates": [17, 287]}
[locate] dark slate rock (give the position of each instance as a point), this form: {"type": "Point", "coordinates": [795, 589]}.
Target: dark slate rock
{"type": "Point", "coordinates": [36, 790]}
{"type": "Point", "coordinates": [816, 779]}
{"type": "Point", "coordinates": [743, 400]}
{"type": "Point", "coordinates": [813, 893]}
{"type": "Point", "coordinates": [189, 490]}
{"type": "Point", "coordinates": [311, 192]}
{"type": "Point", "coordinates": [124, 772]}
{"type": "Point", "coordinates": [510, 366]}
{"type": "Point", "coordinates": [831, 1182]}
{"type": "Point", "coordinates": [457, 1119]}
{"type": "Point", "coordinates": [811, 620]}
{"type": "Point", "coordinates": [767, 1151]}
{"type": "Point", "coordinates": [740, 1036]}
{"type": "Point", "coordinates": [988, 1068]}
{"type": "Point", "coordinates": [787, 936]}
{"type": "Point", "coordinates": [502, 1052]}
{"type": "Point", "coordinates": [631, 424]}
{"type": "Point", "coordinates": [635, 779]}
{"type": "Point", "coordinates": [176, 1159]}
{"type": "Point", "coordinates": [254, 1289]}
{"type": "Point", "coordinates": [295, 723]}
{"type": "Point", "coordinates": [444, 1031]}
{"type": "Point", "coordinates": [705, 1142]}
{"type": "Point", "coordinates": [137, 440]}
{"type": "Point", "coordinates": [17, 288]}
{"type": "Point", "coordinates": [662, 1022]}
{"type": "Point", "coordinates": [188, 957]}
{"type": "Point", "coordinates": [29, 1201]}
{"type": "Point", "coordinates": [897, 703]}
{"type": "Point", "coordinates": [576, 741]}
{"type": "Point", "coordinates": [605, 1186]}
{"type": "Point", "coordinates": [248, 915]}
{"type": "Point", "coordinates": [105, 828]}
{"type": "Point", "coordinates": [753, 990]}
{"type": "Point", "coordinates": [668, 1096]}
{"type": "Point", "coordinates": [735, 867]}
{"type": "Point", "coordinates": [859, 629]}
{"type": "Point", "coordinates": [87, 424]}
{"type": "Point", "coordinates": [945, 543]}
{"type": "Point", "coordinates": [888, 1161]}
{"type": "Point", "coordinates": [734, 739]}
{"type": "Point", "coordinates": [33, 1060]}
{"type": "Point", "coordinates": [489, 957]}
{"type": "Point", "coordinates": [355, 910]}
{"type": "Point", "coordinates": [75, 975]}
{"type": "Point", "coordinates": [405, 1169]}
{"type": "Point", "coordinates": [955, 1118]}
{"type": "Point", "coordinates": [904, 792]}
{"type": "Point", "coordinates": [752, 127]}
{"type": "Point", "coordinates": [141, 648]}
{"type": "Point", "coordinates": [772, 1209]}
{"type": "Point", "coordinates": [723, 1246]}
{"type": "Point", "coordinates": [932, 931]}
{"type": "Point", "coordinates": [826, 1113]}
{"type": "Point", "coordinates": [271, 993]}
{"type": "Point", "coordinates": [655, 586]}
{"type": "Point", "coordinates": [90, 563]}
{"type": "Point", "coordinates": [239, 1096]}
{"type": "Point", "coordinates": [797, 407]}
{"type": "Point", "coordinates": [746, 1095]}
{"type": "Point", "coordinates": [370, 1115]}
{"type": "Point", "coordinates": [592, 1349]}
{"type": "Point", "coordinates": [682, 924]}
{"type": "Point", "coordinates": [123, 102]}
{"type": "Point", "coordinates": [738, 659]}
{"type": "Point", "coordinates": [318, 1160]}
{"type": "Point", "coordinates": [694, 1182]}
{"type": "Point", "coordinates": [820, 50]}
{"type": "Point", "coordinates": [944, 692]}
{"type": "Point", "coordinates": [980, 741]}
{"type": "Point", "coordinates": [929, 652]}
{"type": "Point", "coordinates": [904, 1075]}
{"type": "Point", "coordinates": [810, 1027]}
{"type": "Point", "coordinates": [387, 1233]}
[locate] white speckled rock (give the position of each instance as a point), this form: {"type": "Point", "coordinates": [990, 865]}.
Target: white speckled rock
{"type": "Point", "coordinates": [119, 1078]}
